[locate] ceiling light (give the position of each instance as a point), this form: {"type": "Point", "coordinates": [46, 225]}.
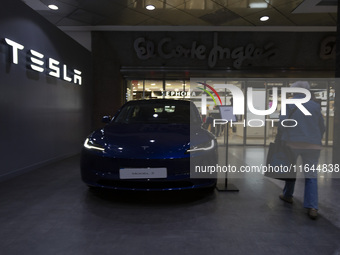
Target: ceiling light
{"type": "Point", "coordinates": [264, 18]}
{"type": "Point", "coordinates": [258, 5]}
{"type": "Point", "coordinates": [150, 7]}
{"type": "Point", "coordinates": [53, 7]}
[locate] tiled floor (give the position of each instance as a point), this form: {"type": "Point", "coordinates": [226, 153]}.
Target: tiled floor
{"type": "Point", "coordinates": [50, 211]}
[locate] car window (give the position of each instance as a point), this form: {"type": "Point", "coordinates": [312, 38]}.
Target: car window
{"type": "Point", "coordinates": [155, 112]}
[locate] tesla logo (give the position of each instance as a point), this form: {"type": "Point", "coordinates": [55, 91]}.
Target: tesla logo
{"type": "Point", "coordinates": [39, 63]}
{"type": "Point", "coordinates": [145, 147]}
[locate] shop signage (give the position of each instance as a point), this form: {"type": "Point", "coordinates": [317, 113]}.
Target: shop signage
{"type": "Point", "coordinates": [327, 48]}
{"type": "Point", "coordinates": [175, 93]}
{"type": "Point", "coordinates": [39, 63]}
{"type": "Point", "coordinates": [147, 49]}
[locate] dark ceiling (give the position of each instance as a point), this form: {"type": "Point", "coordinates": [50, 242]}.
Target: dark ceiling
{"type": "Point", "coordinates": [188, 12]}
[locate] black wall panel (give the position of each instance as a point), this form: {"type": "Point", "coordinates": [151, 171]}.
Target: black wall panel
{"type": "Point", "coordinates": [42, 118]}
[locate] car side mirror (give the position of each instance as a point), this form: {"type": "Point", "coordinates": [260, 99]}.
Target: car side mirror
{"type": "Point", "coordinates": [106, 119]}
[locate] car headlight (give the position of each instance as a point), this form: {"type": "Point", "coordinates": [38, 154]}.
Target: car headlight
{"type": "Point", "coordinates": [203, 147]}
{"type": "Point", "coordinates": [90, 144]}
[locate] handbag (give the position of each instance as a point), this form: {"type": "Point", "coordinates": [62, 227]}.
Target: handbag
{"type": "Point", "coordinates": [281, 161]}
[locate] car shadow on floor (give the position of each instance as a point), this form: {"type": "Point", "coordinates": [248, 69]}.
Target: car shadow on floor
{"type": "Point", "coordinates": [152, 198]}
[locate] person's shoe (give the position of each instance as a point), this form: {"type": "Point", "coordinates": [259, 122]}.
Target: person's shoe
{"type": "Point", "coordinates": [313, 213]}
{"type": "Point", "coordinates": [286, 199]}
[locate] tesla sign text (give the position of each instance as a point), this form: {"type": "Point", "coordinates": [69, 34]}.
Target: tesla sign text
{"type": "Point", "coordinates": [39, 63]}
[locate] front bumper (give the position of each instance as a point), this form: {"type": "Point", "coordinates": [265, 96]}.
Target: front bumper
{"type": "Point", "coordinates": [101, 171]}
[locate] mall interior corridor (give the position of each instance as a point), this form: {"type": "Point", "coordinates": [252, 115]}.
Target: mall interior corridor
{"type": "Point", "coordinates": [50, 211]}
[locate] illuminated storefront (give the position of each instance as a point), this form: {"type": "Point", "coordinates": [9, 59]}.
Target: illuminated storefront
{"type": "Point", "coordinates": [322, 90]}
{"type": "Point", "coordinates": [160, 64]}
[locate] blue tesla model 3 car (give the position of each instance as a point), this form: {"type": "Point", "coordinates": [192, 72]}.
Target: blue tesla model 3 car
{"type": "Point", "coordinates": [148, 145]}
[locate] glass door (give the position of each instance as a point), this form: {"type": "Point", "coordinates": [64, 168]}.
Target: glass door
{"type": "Point", "coordinates": [256, 124]}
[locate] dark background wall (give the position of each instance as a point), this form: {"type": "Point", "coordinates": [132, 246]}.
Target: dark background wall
{"type": "Point", "coordinates": [279, 49]}
{"type": "Point", "coordinates": [284, 54]}
{"type": "Point", "coordinates": [108, 94]}
{"type": "Point", "coordinates": [42, 118]}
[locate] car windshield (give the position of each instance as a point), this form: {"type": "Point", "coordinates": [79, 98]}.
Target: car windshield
{"type": "Point", "coordinates": [158, 112]}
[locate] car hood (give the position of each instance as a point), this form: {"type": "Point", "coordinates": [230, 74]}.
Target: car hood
{"type": "Point", "coordinates": [162, 141]}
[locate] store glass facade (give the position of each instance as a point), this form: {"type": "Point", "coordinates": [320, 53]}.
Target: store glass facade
{"type": "Point", "coordinates": [322, 90]}
{"type": "Point", "coordinates": [147, 89]}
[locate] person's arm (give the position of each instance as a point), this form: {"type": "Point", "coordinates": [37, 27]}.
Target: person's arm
{"type": "Point", "coordinates": [321, 124]}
